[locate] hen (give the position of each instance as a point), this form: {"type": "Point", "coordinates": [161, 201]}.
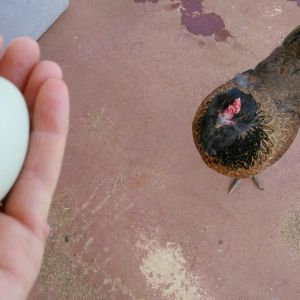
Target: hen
{"type": "Point", "coordinates": [248, 123]}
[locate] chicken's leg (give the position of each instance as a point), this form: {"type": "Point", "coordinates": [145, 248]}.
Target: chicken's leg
{"type": "Point", "coordinates": [257, 183]}
{"type": "Point", "coordinates": [237, 181]}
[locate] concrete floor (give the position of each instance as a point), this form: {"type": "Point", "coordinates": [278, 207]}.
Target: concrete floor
{"type": "Point", "coordinates": [137, 214]}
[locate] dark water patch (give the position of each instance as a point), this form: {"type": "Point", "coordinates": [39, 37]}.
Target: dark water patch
{"type": "Point", "coordinates": [196, 21]}
{"type": "Point", "coordinates": [144, 1]}
{"type": "Point", "coordinates": [221, 36]}
{"type": "Point", "coordinates": [172, 6]}
{"type": "Point", "coordinates": [200, 23]}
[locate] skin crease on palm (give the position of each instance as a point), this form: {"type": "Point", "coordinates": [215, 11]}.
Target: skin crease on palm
{"type": "Point", "coordinates": [23, 223]}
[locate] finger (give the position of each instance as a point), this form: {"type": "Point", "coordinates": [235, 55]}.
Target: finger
{"type": "Point", "coordinates": [42, 71]}
{"type": "Point", "coordinates": [18, 60]}
{"type": "Point", "coordinates": [1, 41]}
{"type": "Point", "coordinates": [1, 46]}
{"type": "Point", "coordinates": [30, 199]}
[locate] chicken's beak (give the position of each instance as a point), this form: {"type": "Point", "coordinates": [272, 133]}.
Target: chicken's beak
{"type": "Point", "coordinates": [218, 125]}
{"type": "Point", "coordinates": [222, 121]}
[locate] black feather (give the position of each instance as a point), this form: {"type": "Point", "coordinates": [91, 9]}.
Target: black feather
{"type": "Point", "coordinates": [236, 145]}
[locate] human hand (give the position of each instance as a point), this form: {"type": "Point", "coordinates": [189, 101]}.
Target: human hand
{"type": "Point", "coordinates": [23, 223]}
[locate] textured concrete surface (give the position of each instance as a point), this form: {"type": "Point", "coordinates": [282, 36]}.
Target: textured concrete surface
{"type": "Point", "coordinates": [137, 214]}
{"type": "Point", "coordinates": [28, 18]}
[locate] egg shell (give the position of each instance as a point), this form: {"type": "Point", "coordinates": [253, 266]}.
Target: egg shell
{"type": "Point", "coordinates": [14, 134]}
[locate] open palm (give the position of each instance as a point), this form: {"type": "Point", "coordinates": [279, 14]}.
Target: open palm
{"type": "Point", "coordinates": [23, 224]}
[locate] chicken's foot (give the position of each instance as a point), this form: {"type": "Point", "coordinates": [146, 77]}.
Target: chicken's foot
{"type": "Point", "coordinates": [257, 183]}
{"type": "Point", "coordinates": [237, 181]}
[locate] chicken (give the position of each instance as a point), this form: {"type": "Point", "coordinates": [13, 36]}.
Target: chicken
{"type": "Point", "coordinates": [248, 123]}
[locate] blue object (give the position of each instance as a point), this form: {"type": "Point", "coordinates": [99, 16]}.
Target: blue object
{"type": "Point", "coordinates": [29, 18]}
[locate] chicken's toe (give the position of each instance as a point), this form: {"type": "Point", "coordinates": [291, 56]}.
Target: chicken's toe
{"type": "Point", "coordinates": [257, 183]}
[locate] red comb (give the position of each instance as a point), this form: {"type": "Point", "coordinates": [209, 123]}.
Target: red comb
{"type": "Point", "coordinates": [234, 108]}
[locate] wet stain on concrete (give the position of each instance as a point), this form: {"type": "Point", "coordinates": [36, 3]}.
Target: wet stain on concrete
{"type": "Point", "coordinates": [196, 21]}
{"type": "Point", "coordinates": [200, 23]}
{"type": "Point", "coordinates": [172, 6]}
{"type": "Point", "coordinates": [144, 1]}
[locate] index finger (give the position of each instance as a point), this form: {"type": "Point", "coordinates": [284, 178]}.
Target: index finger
{"type": "Point", "coordinates": [18, 60]}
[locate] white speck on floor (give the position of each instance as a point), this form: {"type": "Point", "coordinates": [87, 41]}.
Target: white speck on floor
{"type": "Point", "coordinates": [165, 271]}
